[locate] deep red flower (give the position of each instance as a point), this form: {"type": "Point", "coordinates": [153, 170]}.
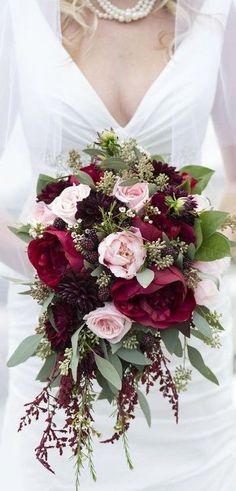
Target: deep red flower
{"type": "Point", "coordinates": [192, 181]}
{"type": "Point", "coordinates": [165, 302]}
{"type": "Point", "coordinates": [175, 177]}
{"type": "Point", "coordinates": [65, 322]}
{"type": "Point", "coordinates": [163, 223]}
{"type": "Point", "coordinates": [55, 188]}
{"type": "Point", "coordinates": [93, 171]}
{"type": "Point", "coordinates": [53, 255]}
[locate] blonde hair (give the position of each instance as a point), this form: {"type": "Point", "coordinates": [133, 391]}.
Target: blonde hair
{"type": "Point", "coordinates": [75, 10]}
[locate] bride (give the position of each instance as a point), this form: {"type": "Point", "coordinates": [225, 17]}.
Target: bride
{"type": "Point", "coordinates": [154, 70]}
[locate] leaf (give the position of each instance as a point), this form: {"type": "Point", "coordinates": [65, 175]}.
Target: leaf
{"type": "Point", "coordinates": [47, 302]}
{"type": "Point", "coordinates": [115, 347]}
{"type": "Point", "coordinates": [191, 251]}
{"type": "Point", "coordinates": [180, 260]}
{"type": "Point", "coordinates": [97, 271]}
{"type": "Point", "coordinates": [108, 371]}
{"type": "Point", "coordinates": [159, 158]}
{"type": "Point", "coordinates": [115, 361]}
{"type": "Point", "coordinates": [75, 354]}
{"type": "Point", "coordinates": [17, 281]}
{"type": "Point", "coordinates": [152, 188]}
{"type": "Point", "coordinates": [178, 349]}
{"type": "Point", "coordinates": [144, 406]}
{"type": "Point", "coordinates": [135, 357]}
{"type": "Point", "coordinates": [205, 312]}
{"type": "Point", "coordinates": [25, 350]}
{"type": "Point", "coordinates": [197, 362]}
{"type": "Point", "coordinates": [106, 392]}
{"type": "Point", "coordinates": [214, 247]}
{"type": "Point", "coordinates": [94, 152]}
{"type": "Point", "coordinates": [202, 174]}
{"type": "Point", "coordinates": [170, 338]}
{"type": "Point", "coordinates": [46, 369]}
{"type": "Point", "coordinates": [114, 163]}
{"type": "Point", "coordinates": [43, 181]}
{"type": "Point", "coordinates": [56, 382]}
{"type": "Point", "coordinates": [129, 182]}
{"type": "Point", "coordinates": [211, 221]}
{"type": "Point", "coordinates": [85, 178]}
{"type": "Point", "coordinates": [198, 233]}
{"type": "Point", "coordinates": [145, 277]}
{"type": "Point", "coordinates": [21, 232]}
{"type": "Point", "coordinates": [202, 325]}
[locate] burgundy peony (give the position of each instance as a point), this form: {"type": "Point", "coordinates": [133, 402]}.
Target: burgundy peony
{"type": "Point", "coordinates": [53, 255]}
{"type": "Point", "coordinates": [66, 324]}
{"type": "Point", "coordinates": [171, 227]}
{"type": "Point", "coordinates": [55, 188]}
{"type": "Point", "coordinates": [165, 302]}
{"type": "Point", "coordinates": [94, 172]}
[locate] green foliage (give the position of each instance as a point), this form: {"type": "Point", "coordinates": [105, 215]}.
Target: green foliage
{"type": "Point", "coordinates": [135, 357]}
{"type": "Point", "coordinates": [21, 232]}
{"type": "Point", "coordinates": [43, 181]}
{"type": "Point", "coordinates": [202, 174]}
{"type": "Point", "coordinates": [84, 178]}
{"type": "Point", "coordinates": [170, 338]}
{"type": "Point", "coordinates": [211, 221]}
{"type": "Point", "coordinates": [25, 350]}
{"type": "Point", "coordinates": [144, 406]}
{"type": "Point", "coordinates": [214, 247]}
{"type": "Point", "coordinates": [108, 371]}
{"type": "Point", "coordinates": [46, 369]}
{"type": "Point", "coordinates": [145, 277]}
{"type": "Point", "coordinates": [202, 325]}
{"type": "Point", "coordinates": [197, 362]}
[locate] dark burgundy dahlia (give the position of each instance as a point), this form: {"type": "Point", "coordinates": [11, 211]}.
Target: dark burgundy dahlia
{"type": "Point", "coordinates": [175, 178]}
{"type": "Point", "coordinates": [65, 324]}
{"type": "Point", "coordinates": [89, 210]}
{"type": "Point", "coordinates": [80, 291]}
{"type": "Point", "coordinates": [55, 188]}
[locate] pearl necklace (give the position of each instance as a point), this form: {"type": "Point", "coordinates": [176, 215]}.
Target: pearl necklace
{"type": "Point", "coordinates": [110, 12]}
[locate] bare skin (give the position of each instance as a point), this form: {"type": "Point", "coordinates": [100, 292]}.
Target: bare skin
{"type": "Point", "coordinates": [123, 60]}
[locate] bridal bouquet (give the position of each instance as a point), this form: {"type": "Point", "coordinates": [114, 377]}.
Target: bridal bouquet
{"type": "Point", "coordinates": [127, 254]}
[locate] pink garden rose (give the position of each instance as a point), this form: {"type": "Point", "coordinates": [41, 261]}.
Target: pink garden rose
{"type": "Point", "coordinates": [65, 205]}
{"type": "Point", "coordinates": [206, 292]}
{"type": "Point", "coordinates": [108, 323]}
{"type": "Point", "coordinates": [123, 253]}
{"type": "Point", "coordinates": [133, 196]}
{"type": "Point", "coordinates": [43, 214]}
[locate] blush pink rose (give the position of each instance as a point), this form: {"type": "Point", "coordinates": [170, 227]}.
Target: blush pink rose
{"type": "Point", "coordinates": [65, 205]}
{"type": "Point", "coordinates": [43, 214]}
{"type": "Point", "coordinates": [133, 196]}
{"type": "Point", "coordinates": [213, 268]}
{"type": "Point", "coordinates": [123, 253]}
{"type": "Point", "coordinates": [206, 293]}
{"type": "Point", "coordinates": [108, 323]}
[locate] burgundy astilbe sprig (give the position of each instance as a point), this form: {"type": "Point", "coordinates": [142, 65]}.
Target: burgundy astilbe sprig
{"type": "Point", "coordinates": [159, 371]}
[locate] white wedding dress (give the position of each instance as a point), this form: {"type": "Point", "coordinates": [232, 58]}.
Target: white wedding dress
{"type": "Point", "coordinates": [200, 452]}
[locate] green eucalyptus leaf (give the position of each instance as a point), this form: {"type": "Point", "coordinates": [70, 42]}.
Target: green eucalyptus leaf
{"type": "Point", "coordinates": [47, 368]}
{"type": "Point", "coordinates": [191, 251]}
{"type": "Point", "coordinates": [198, 233]}
{"type": "Point", "coordinates": [214, 247]}
{"type": "Point", "coordinates": [170, 338]}
{"type": "Point", "coordinates": [75, 353]}
{"type": "Point", "coordinates": [56, 382]}
{"type": "Point", "coordinates": [202, 174]}
{"type": "Point", "coordinates": [94, 152]}
{"type": "Point", "coordinates": [114, 163]}
{"type": "Point", "coordinates": [133, 356]}
{"type": "Point", "coordinates": [211, 221]}
{"type": "Point", "coordinates": [43, 181]}
{"type": "Point", "coordinates": [47, 302]}
{"type": "Point", "coordinates": [115, 347]}
{"type": "Point", "coordinates": [96, 272]}
{"type": "Point", "coordinates": [115, 361]}
{"type": "Point", "coordinates": [152, 188]}
{"type": "Point", "coordinates": [108, 371]}
{"type": "Point", "coordinates": [145, 277]}
{"type": "Point", "coordinates": [202, 325]}
{"type": "Point", "coordinates": [25, 350]}
{"type": "Point", "coordinates": [129, 182]}
{"type": "Point", "coordinates": [85, 178]}
{"type": "Point", "coordinates": [197, 362]}
{"type": "Point", "coordinates": [21, 232]}
{"type": "Point", "coordinates": [157, 157]}
{"type": "Point", "coordinates": [145, 407]}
